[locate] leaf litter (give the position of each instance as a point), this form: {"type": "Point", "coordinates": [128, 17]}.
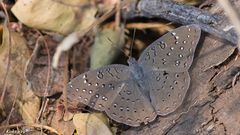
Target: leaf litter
{"type": "Point", "coordinates": [33, 99]}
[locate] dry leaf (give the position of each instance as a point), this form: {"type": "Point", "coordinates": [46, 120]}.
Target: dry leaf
{"type": "Point", "coordinates": [68, 116]}
{"type": "Point", "coordinates": [106, 47]}
{"type": "Point", "coordinates": [91, 124]}
{"type": "Point", "coordinates": [64, 127]}
{"type": "Point", "coordinates": [64, 16]}
{"type": "Point", "coordinates": [29, 105]}
{"type": "Point", "coordinates": [18, 58]}
{"type": "Point", "coordinates": [19, 54]}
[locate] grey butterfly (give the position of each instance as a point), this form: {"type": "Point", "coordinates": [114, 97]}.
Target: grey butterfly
{"type": "Point", "coordinates": [154, 85]}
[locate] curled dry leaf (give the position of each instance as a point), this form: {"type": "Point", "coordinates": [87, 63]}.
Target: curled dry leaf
{"type": "Point", "coordinates": [62, 126]}
{"type": "Point", "coordinates": [91, 124]}
{"type": "Point", "coordinates": [68, 116]}
{"type": "Point", "coordinates": [62, 16]}
{"type": "Point", "coordinates": [18, 57]}
{"type": "Point", "coordinates": [41, 75]}
{"type": "Point", "coordinates": [107, 44]}
{"type": "Point", "coordinates": [16, 89]}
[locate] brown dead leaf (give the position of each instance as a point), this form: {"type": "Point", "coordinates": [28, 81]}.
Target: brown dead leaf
{"type": "Point", "coordinates": [68, 116]}
{"type": "Point", "coordinates": [19, 54]}
{"type": "Point", "coordinates": [64, 127]}
{"type": "Point", "coordinates": [29, 105]}
{"type": "Point", "coordinates": [37, 74]}
{"type": "Point", "coordinates": [18, 57]}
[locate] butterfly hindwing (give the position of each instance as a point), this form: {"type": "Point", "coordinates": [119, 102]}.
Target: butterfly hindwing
{"type": "Point", "coordinates": [167, 90]}
{"type": "Point", "coordinates": [130, 106]}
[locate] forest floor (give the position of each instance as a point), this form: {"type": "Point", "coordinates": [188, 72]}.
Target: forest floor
{"type": "Point", "coordinates": [45, 44]}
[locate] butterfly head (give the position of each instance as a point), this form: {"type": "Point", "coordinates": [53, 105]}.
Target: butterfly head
{"type": "Point", "coordinates": [131, 61]}
{"type": "Point", "coordinates": [135, 68]}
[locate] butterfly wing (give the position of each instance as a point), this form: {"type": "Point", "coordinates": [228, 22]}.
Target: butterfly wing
{"type": "Point", "coordinates": [130, 106]}
{"type": "Point", "coordinates": [165, 65]}
{"type": "Point", "coordinates": [113, 92]}
{"type": "Point", "coordinates": [84, 88]}
{"type": "Point", "coordinates": [167, 90]}
{"type": "Point", "coordinates": [173, 51]}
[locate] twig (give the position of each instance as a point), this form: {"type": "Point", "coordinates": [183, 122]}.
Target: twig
{"type": "Point", "coordinates": [149, 26]}
{"type": "Point", "coordinates": [66, 79]}
{"type": "Point", "coordinates": [232, 15]}
{"type": "Point", "coordinates": [182, 14]}
{"type": "Point", "coordinates": [118, 14]}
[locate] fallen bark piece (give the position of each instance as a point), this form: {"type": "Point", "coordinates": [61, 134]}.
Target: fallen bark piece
{"type": "Point", "coordinates": [214, 24]}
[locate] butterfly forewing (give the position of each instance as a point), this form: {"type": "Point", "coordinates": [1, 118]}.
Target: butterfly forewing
{"type": "Point", "coordinates": [85, 87]}
{"type": "Point", "coordinates": [173, 51]}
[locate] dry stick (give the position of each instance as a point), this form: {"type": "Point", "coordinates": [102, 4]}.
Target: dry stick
{"type": "Point", "coordinates": [48, 76]}
{"type": "Point", "coordinates": [118, 14]}
{"type": "Point", "coordinates": [150, 25]}
{"type": "Point", "coordinates": [232, 15]}
{"type": "Point", "coordinates": [8, 59]}
{"type": "Point", "coordinates": [33, 56]}
{"type": "Point", "coordinates": [182, 14]}
{"type": "Point", "coordinates": [66, 78]}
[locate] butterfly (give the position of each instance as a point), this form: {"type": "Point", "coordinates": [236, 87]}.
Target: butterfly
{"type": "Point", "coordinates": [155, 84]}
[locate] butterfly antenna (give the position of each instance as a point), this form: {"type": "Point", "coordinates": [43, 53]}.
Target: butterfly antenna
{"type": "Point", "coordinates": [131, 47]}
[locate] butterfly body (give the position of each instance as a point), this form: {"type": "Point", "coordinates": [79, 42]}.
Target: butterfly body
{"type": "Point", "coordinates": [136, 70]}
{"type": "Point", "coordinates": [154, 85]}
{"type": "Point", "coordinates": [138, 76]}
